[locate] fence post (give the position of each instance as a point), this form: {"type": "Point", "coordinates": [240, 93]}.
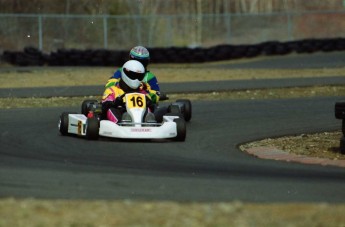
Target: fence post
{"type": "Point", "coordinates": [289, 26]}
{"type": "Point", "coordinates": [169, 34]}
{"type": "Point", "coordinates": [40, 33]}
{"type": "Point", "coordinates": [228, 27]}
{"type": "Point", "coordinates": [105, 31]}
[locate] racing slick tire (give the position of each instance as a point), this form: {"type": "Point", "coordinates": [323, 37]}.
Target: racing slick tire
{"type": "Point", "coordinates": [63, 123]}
{"type": "Point", "coordinates": [186, 108]}
{"type": "Point", "coordinates": [86, 106]}
{"type": "Point", "coordinates": [92, 129]}
{"type": "Point", "coordinates": [181, 129]}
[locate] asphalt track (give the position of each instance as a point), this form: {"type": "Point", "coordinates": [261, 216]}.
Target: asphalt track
{"type": "Point", "coordinates": [36, 161]}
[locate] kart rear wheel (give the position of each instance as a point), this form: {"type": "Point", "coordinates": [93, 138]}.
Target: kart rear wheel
{"type": "Point", "coordinates": [63, 123]}
{"type": "Point", "coordinates": [85, 106]}
{"type": "Point", "coordinates": [92, 129]}
{"type": "Point", "coordinates": [187, 108]}
{"type": "Point", "coordinates": [181, 129]}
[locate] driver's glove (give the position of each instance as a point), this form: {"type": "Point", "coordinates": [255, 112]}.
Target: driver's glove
{"type": "Point", "coordinates": [118, 101]}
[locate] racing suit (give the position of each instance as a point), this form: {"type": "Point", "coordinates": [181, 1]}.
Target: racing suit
{"type": "Point", "coordinates": [113, 105]}
{"type": "Point", "coordinates": [150, 84]}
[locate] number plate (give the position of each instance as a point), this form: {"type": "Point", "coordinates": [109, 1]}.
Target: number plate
{"type": "Point", "coordinates": [135, 100]}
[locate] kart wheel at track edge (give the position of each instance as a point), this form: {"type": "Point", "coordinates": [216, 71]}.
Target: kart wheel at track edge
{"type": "Point", "coordinates": [92, 129]}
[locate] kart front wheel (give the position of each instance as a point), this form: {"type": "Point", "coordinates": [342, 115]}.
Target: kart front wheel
{"type": "Point", "coordinates": [181, 129]}
{"type": "Point", "coordinates": [63, 123]}
{"type": "Point", "coordinates": [92, 129]}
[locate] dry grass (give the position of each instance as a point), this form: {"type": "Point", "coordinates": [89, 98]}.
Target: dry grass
{"type": "Point", "coordinates": [69, 76]}
{"type": "Point", "coordinates": [30, 212]}
{"type": "Point", "coordinates": [275, 93]}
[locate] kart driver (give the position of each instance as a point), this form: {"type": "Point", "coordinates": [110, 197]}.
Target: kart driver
{"type": "Point", "coordinates": [142, 55]}
{"type": "Point", "coordinates": [132, 74]}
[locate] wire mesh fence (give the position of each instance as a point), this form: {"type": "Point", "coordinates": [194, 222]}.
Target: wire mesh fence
{"type": "Point", "coordinates": [49, 32]}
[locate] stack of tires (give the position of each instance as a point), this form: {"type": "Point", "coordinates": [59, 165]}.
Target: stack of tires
{"type": "Point", "coordinates": [340, 114]}
{"type": "Point", "coordinates": [31, 56]}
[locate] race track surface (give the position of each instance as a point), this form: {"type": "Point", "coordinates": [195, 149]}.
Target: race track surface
{"type": "Point", "coordinates": [36, 161]}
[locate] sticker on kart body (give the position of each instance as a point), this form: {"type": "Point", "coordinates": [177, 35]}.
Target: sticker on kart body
{"type": "Point", "coordinates": [135, 100]}
{"type": "Point", "coordinates": [141, 130]}
{"type": "Point", "coordinates": [80, 126]}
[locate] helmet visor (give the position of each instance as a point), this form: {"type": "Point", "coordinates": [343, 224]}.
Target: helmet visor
{"type": "Point", "coordinates": [134, 75]}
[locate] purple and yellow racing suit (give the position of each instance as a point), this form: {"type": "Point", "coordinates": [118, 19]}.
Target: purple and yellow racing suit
{"type": "Point", "coordinates": [113, 103]}
{"type": "Point", "coordinates": [150, 82]}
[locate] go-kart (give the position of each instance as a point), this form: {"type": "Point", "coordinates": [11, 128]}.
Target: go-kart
{"type": "Point", "coordinates": [169, 123]}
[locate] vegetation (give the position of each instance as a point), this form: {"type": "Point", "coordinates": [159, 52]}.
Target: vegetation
{"type": "Point", "coordinates": [163, 23]}
{"type": "Point", "coordinates": [147, 7]}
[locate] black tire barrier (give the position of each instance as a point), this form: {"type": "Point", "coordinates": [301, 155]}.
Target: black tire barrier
{"type": "Point", "coordinates": [31, 56]}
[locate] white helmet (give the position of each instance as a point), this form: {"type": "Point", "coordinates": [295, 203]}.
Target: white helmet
{"type": "Point", "coordinates": [132, 73]}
